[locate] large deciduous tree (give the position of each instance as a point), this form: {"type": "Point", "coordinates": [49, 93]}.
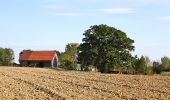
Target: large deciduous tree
{"type": "Point", "coordinates": [105, 47]}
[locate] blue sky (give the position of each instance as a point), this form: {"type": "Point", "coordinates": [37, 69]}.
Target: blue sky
{"type": "Point", "coordinates": [51, 24]}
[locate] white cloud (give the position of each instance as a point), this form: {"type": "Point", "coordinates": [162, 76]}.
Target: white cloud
{"type": "Point", "coordinates": [165, 18]}
{"type": "Point", "coordinates": [117, 10]}
{"type": "Point", "coordinates": [52, 6]}
{"type": "Point", "coordinates": [72, 14]}
{"type": "Point", "coordinates": [69, 14]}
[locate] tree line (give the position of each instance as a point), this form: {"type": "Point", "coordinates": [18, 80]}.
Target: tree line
{"type": "Point", "coordinates": [109, 49]}
{"type": "Point", "coordinates": [104, 48]}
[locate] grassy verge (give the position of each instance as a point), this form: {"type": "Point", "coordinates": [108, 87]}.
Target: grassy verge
{"type": "Point", "coordinates": [165, 73]}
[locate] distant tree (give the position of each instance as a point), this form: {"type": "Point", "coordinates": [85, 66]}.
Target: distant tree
{"type": "Point", "coordinates": [65, 56]}
{"type": "Point", "coordinates": [67, 62]}
{"type": "Point", "coordinates": [106, 47]}
{"type": "Point", "coordinates": [1, 59]}
{"type": "Point", "coordinates": [141, 65]}
{"type": "Point", "coordinates": [144, 66]}
{"type": "Point", "coordinates": [156, 64]}
{"type": "Point", "coordinates": [165, 62]}
{"type": "Point", "coordinates": [156, 67]}
{"type": "Point", "coordinates": [72, 50]}
{"type": "Point", "coordinates": [148, 61]}
{"type": "Point", "coordinates": [6, 56]}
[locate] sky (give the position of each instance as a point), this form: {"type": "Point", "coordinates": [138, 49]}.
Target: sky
{"type": "Point", "coordinates": [51, 24]}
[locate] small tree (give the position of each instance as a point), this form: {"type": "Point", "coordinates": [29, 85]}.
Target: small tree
{"type": "Point", "coordinates": [156, 67]}
{"type": "Point", "coordinates": [141, 65]}
{"type": "Point", "coordinates": [6, 56]}
{"type": "Point", "coordinates": [165, 63]}
{"type": "Point", "coordinates": [72, 50]}
{"type": "Point", "coordinates": [148, 61]}
{"type": "Point", "coordinates": [1, 58]}
{"type": "Point", "coordinates": [67, 61]}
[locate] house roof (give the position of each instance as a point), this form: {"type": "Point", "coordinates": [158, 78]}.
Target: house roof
{"type": "Point", "coordinates": [36, 55]}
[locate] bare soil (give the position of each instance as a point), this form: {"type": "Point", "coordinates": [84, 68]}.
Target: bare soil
{"type": "Point", "coordinates": [47, 84]}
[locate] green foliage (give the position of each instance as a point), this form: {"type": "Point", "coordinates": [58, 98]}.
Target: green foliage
{"type": "Point", "coordinates": [164, 66]}
{"type": "Point", "coordinates": [72, 50]}
{"type": "Point", "coordinates": [105, 47]}
{"type": "Point", "coordinates": [156, 67]}
{"type": "Point", "coordinates": [68, 59]}
{"type": "Point", "coordinates": [148, 61]}
{"type": "Point", "coordinates": [104, 69]}
{"type": "Point", "coordinates": [165, 63]}
{"type": "Point", "coordinates": [165, 73]}
{"type": "Point", "coordinates": [144, 66]}
{"type": "Point", "coordinates": [65, 56]}
{"type": "Point", "coordinates": [68, 65]}
{"type": "Point", "coordinates": [6, 56]}
{"type": "Point", "coordinates": [87, 68]}
{"type": "Point", "coordinates": [141, 65]}
{"type": "Point", "coordinates": [149, 71]}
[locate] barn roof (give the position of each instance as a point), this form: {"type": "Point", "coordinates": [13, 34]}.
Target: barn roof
{"type": "Point", "coordinates": [36, 55]}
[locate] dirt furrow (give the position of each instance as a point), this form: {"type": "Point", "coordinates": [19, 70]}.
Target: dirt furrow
{"type": "Point", "coordinates": [110, 89]}
{"type": "Point", "coordinates": [52, 84]}
{"type": "Point", "coordinates": [74, 92]}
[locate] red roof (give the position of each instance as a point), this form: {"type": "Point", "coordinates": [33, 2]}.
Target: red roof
{"type": "Point", "coordinates": [37, 55]}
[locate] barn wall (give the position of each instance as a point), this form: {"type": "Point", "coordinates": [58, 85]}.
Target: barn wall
{"type": "Point", "coordinates": [53, 62]}
{"type": "Point", "coordinates": [36, 63]}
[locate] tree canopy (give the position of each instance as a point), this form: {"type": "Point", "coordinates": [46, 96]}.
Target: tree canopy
{"type": "Point", "coordinates": [72, 50]}
{"type": "Point", "coordinates": [68, 59]}
{"type": "Point", "coordinates": [165, 62]}
{"type": "Point", "coordinates": [141, 64]}
{"type": "Point", "coordinates": [6, 56]}
{"type": "Point", "coordinates": [105, 46]}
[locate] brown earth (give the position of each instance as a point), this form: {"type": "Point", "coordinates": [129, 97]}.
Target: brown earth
{"type": "Point", "coordinates": [48, 84]}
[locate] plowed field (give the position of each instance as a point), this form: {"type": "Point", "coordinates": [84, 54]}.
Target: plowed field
{"type": "Point", "coordinates": [47, 84]}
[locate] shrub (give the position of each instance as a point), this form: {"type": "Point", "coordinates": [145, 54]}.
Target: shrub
{"type": "Point", "coordinates": [148, 71]}
{"type": "Point", "coordinates": [87, 68]}
{"type": "Point", "coordinates": [165, 73]}
{"type": "Point", "coordinates": [68, 65]}
{"type": "Point", "coordinates": [103, 69]}
{"type": "Point", "coordinates": [157, 69]}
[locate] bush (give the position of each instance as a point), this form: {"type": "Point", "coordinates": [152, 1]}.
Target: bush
{"type": "Point", "coordinates": [87, 68]}
{"type": "Point", "coordinates": [148, 71]}
{"type": "Point", "coordinates": [72, 66]}
{"type": "Point", "coordinates": [6, 56]}
{"type": "Point", "coordinates": [68, 65]}
{"type": "Point", "coordinates": [165, 73]}
{"type": "Point", "coordinates": [104, 69]}
{"type": "Point", "coordinates": [157, 69]}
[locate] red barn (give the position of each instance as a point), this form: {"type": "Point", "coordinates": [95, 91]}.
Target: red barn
{"type": "Point", "coordinates": [38, 58]}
